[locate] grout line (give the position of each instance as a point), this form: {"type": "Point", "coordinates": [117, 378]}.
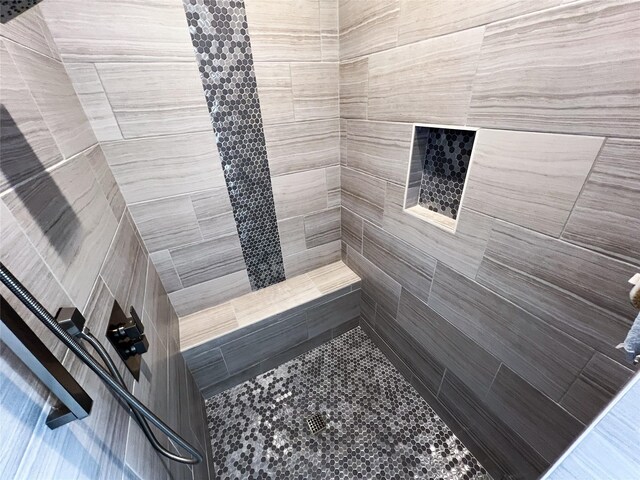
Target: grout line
{"type": "Point", "coordinates": [577, 377]}
{"type": "Point", "coordinates": [433, 280]}
{"type": "Point", "coordinates": [486, 245]}
{"type": "Point", "coordinates": [178, 195]}
{"type": "Point", "coordinates": [562, 240]}
{"type": "Point", "coordinates": [592, 426]}
{"type": "Point", "coordinates": [584, 184]}
{"type": "Point", "coordinates": [52, 168]}
{"type": "Point", "coordinates": [473, 79]}
{"type": "Point", "coordinates": [26, 47]}
{"type": "Point", "coordinates": [104, 91]}
{"type": "Point", "coordinates": [153, 137]}
{"type": "Point", "coordinates": [484, 397]}
{"type": "Point", "coordinates": [48, 268]}
{"type": "Point", "coordinates": [486, 24]}
{"type": "Point", "coordinates": [441, 382]}
{"type": "Point", "coordinates": [28, 88]}
{"type": "Point", "coordinates": [108, 251]}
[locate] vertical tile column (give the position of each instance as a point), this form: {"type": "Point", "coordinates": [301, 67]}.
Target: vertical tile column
{"type": "Point", "coordinates": [220, 36]}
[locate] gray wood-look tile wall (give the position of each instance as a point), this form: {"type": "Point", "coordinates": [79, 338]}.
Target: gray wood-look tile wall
{"type": "Point", "coordinates": [508, 326]}
{"type": "Point", "coordinates": [143, 96]}
{"type": "Point", "coordinates": [67, 235]}
{"type": "Point", "coordinates": [526, 299]}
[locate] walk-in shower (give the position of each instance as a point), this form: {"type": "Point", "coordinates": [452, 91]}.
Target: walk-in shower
{"type": "Point", "coordinates": [299, 239]}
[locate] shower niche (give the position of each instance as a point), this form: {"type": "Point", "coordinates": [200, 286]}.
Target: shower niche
{"type": "Point", "coordinates": [440, 162]}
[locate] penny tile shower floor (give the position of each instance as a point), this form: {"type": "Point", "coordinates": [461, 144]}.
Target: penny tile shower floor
{"type": "Point", "coordinates": [378, 426]}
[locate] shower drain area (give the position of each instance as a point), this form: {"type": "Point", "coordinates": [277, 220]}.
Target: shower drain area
{"type": "Point", "coordinates": [316, 423]}
{"type": "Point", "coordinates": [341, 410]}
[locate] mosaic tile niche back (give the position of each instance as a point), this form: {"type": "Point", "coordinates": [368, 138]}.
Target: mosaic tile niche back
{"type": "Point", "coordinates": [377, 425]}
{"type": "Point", "coordinates": [12, 8]}
{"type": "Point", "coordinates": [220, 36]}
{"type": "Point", "coordinates": [446, 163]}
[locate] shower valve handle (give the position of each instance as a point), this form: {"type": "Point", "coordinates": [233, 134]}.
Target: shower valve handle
{"type": "Point", "coordinates": [138, 346]}
{"type": "Point", "coordinates": [132, 329]}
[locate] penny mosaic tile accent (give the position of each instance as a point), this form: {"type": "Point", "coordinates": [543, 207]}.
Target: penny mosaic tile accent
{"type": "Point", "coordinates": [378, 426]}
{"type": "Point", "coordinates": [12, 8]}
{"type": "Point", "coordinates": [220, 36]}
{"type": "Point", "coordinates": [445, 168]}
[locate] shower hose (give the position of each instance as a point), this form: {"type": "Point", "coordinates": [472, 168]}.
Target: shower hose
{"type": "Point", "coordinates": [112, 378]}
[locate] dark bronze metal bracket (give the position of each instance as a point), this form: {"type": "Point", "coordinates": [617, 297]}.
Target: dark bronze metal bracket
{"type": "Point", "coordinates": [75, 403]}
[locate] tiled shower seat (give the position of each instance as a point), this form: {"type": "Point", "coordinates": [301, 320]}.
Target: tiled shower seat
{"type": "Point", "coordinates": [246, 336]}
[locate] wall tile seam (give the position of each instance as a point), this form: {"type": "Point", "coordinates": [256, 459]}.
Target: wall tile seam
{"type": "Point", "coordinates": [54, 167]}
{"type": "Point", "coordinates": [571, 3]}
{"type": "Point", "coordinates": [104, 90]}
{"type": "Point", "coordinates": [146, 318]}
{"type": "Point", "coordinates": [285, 317]}
{"type": "Point", "coordinates": [43, 261]}
{"type": "Point", "coordinates": [468, 430]}
{"type": "Point", "coordinates": [305, 170]}
{"type": "Point", "coordinates": [280, 322]}
{"type": "Point", "coordinates": [241, 375]}
{"type": "Point", "coordinates": [175, 270]}
{"type": "Point", "coordinates": [555, 329]}
{"type": "Point", "coordinates": [435, 267]}
{"type": "Point", "coordinates": [557, 404]}
{"type": "Point", "coordinates": [295, 62]}
{"type": "Point", "coordinates": [464, 334]}
{"type": "Point", "coordinates": [473, 77]}
{"type": "Point", "coordinates": [307, 121]}
{"type": "Point", "coordinates": [306, 215]}
{"type": "Point", "coordinates": [156, 136]}
{"type": "Point", "coordinates": [480, 128]}
{"type": "Point", "coordinates": [192, 244]}
{"type": "Point", "coordinates": [35, 102]}
{"type": "Point", "coordinates": [115, 111]}
{"type": "Point", "coordinates": [444, 373]}
{"type": "Point", "coordinates": [397, 257]}
{"type": "Point", "coordinates": [582, 188]}
{"type": "Point", "coordinates": [363, 220]}
{"type": "Point", "coordinates": [415, 377]}
{"type": "Point", "coordinates": [462, 206]}
{"type": "Point", "coordinates": [378, 177]}
{"type": "Point", "coordinates": [176, 196]}
{"type": "Point", "coordinates": [9, 39]}
{"type": "Point", "coordinates": [482, 399]}
{"type": "Point", "coordinates": [126, 138]}
{"type": "Point", "coordinates": [575, 380]}
{"type": "Point", "coordinates": [413, 44]}
{"type": "Point", "coordinates": [269, 125]}
{"type": "Point", "coordinates": [120, 225]}
{"type": "Point", "coordinates": [590, 251]}
{"type": "Point", "coordinates": [361, 228]}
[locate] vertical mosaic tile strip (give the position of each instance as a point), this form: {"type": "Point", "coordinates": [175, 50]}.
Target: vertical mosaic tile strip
{"type": "Point", "coordinates": [445, 169]}
{"type": "Point", "coordinates": [12, 8]}
{"type": "Point", "coordinates": [220, 36]}
{"type": "Point", "coordinates": [378, 426]}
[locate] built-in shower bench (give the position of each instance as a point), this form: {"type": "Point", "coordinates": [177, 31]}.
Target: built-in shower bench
{"type": "Point", "coordinates": [251, 334]}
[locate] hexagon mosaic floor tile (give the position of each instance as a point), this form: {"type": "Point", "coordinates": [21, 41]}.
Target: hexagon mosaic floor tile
{"type": "Point", "coordinates": [378, 426]}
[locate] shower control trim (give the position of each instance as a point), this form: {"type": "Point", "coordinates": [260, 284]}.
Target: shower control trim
{"type": "Point", "coordinates": [126, 334]}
